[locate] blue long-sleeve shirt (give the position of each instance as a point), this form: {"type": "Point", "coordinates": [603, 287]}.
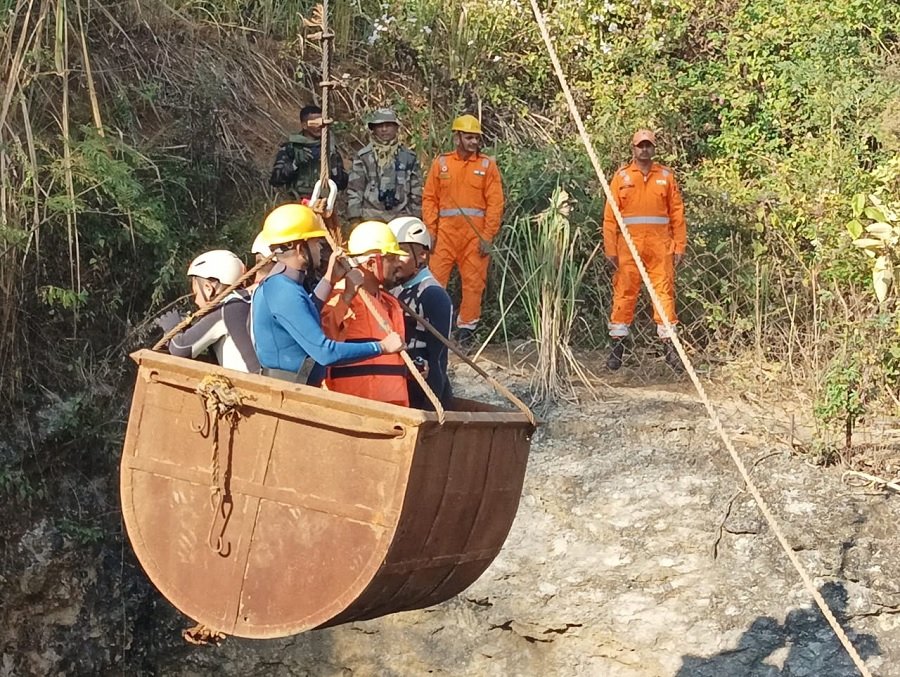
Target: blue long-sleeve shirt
{"type": "Point", "coordinates": [287, 330]}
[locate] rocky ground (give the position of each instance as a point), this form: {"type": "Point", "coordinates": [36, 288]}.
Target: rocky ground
{"type": "Point", "coordinates": [633, 555]}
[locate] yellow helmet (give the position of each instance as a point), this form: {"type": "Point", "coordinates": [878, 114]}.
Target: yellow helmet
{"type": "Point", "coordinates": [289, 223]}
{"type": "Point", "coordinates": [372, 236]}
{"type": "Point", "coordinates": [466, 123]}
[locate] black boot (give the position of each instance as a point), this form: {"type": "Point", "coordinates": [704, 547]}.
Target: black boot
{"type": "Point", "coordinates": [465, 337]}
{"type": "Point", "coordinates": [614, 361]}
{"type": "Point", "coordinates": [672, 358]}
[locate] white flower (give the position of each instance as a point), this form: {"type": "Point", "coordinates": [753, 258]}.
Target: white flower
{"type": "Point", "coordinates": [614, 27]}
{"type": "Point", "coordinates": [496, 58]}
{"type": "Point", "coordinates": [426, 30]}
{"type": "Point", "coordinates": [596, 18]}
{"type": "Point", "coordinates": [606, 48]}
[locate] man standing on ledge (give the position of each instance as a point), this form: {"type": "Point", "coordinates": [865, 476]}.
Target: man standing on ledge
{"type": "Point", "coordinates": [651, 207]}
{"type": "Point", "coordinates": [462, 206]}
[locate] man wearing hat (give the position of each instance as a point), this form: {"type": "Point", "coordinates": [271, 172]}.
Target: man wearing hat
{"type": "Point", "coordinates": [651, 207]}
{"type": "Point", "coordinates": [386, 180]}
{"type": "Point", "coordinates": [463, 208]}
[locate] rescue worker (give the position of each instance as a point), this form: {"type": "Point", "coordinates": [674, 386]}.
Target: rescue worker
{"type": "Point", "coordinates": [386, 179]}
{"type": "Point", "coordinates": [261, 251]}
{"type": "Point", "coordinates": [420, 291]}
{"type": "Point", "coordinates": [285, 316]}
{"type": "Point", "coordinates": [462, 205]}
{"type": "Point", "coordinates": [373, 249]}
{"type": "Point", "coordinates": [225, 330]}
{"type": "Point", "coordinates": [296, 167]}
{"type": "Point", "coordinates": [650, 202]}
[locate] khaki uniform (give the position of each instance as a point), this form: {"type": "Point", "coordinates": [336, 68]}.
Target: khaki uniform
{"type": "Point", "coordinates": [384, 193]}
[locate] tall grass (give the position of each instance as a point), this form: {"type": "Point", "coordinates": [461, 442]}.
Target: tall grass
{"type": "Point", "coordinates": [548, 267]}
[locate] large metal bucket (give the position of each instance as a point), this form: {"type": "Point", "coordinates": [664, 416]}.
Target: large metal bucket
{"type": "Point", "coordinates": [335, 508]}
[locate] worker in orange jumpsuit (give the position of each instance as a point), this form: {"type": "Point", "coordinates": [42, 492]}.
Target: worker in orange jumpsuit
{"type": "Point", "coordinates": [373, 250]}
{"type": "Point", "coordinates": [651, 207]}
{"type": "Point", "coordinates": [462, 206]}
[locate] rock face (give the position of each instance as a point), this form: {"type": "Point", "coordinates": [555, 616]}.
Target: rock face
{"type": "Point", "coordinates": [633, 555]}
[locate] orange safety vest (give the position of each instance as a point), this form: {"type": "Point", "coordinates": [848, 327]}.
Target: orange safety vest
{"type": "Point", "coordinates": [381, 378]}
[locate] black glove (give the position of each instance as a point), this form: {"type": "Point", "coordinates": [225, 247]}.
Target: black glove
{"type": "Point", "coordinates": [168, 320]}
{"type": "Point", "coordinates": [285, 167]}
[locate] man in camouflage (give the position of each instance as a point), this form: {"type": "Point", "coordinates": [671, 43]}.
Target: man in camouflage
{"type": "Point", "coordinates": [297, 163]}
{"type": "Point", "coordinates": [385, 180]}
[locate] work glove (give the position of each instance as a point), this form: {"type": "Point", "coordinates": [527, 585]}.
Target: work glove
{"type": "Point", "coordinates": [484, 248]}
{"type": "Point", "coordinates": [168, 320]}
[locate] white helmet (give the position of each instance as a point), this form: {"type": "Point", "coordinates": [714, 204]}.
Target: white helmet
{"type": "Point", "coordinates": [410, 229]}
{"type": "Point", "coordinates": [260, 246]}
{"type": "Point", "coordinates": [219, 264]}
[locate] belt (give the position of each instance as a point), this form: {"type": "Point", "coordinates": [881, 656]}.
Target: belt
{"type": "Point", "coordinates": [368, 370]}
{"type": "Point", "coordinates": [298, 376]}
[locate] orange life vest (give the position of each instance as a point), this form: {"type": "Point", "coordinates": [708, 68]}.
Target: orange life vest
{"type": "Point", "coordinates": [381, 378]}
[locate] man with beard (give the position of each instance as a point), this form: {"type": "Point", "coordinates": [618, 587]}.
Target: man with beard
{"type": "Point", "coordinates": [385, 180]}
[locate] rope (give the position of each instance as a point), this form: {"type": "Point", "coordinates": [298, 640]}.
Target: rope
{"type": "Point", "coordinates": [499, 387]}
{"type": "Point", "coordinates": [221, 401]}
{"type": "Point", "coordinates": [713, 415]}
{"type": "Point", "coordinates": [326, 84]}
{"type": "Point", "coordinates": [202, 312]}
{"type": "Point", "coordinates": [202, 635]}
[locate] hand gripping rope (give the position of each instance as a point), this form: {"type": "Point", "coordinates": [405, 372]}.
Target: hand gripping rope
{"type": "Point", "coordinates": [714, 417]}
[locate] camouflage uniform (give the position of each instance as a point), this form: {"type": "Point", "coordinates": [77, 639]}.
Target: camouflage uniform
{"type": "Point", "coordinates": [296, 167]}
{"type": "Point", "coordinates": [387, 191]}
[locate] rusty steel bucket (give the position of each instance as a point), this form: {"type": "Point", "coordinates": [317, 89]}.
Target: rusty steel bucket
{"type": "Point", "coordinates": [323, 508]}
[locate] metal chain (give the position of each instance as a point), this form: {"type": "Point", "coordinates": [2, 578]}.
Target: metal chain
{"type": "Point", "coordinates": [713, 415]}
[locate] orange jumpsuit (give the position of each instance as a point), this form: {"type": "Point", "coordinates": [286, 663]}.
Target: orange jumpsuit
{"type": "Point", "coordinates": [462, 204]}
{"type": "Point", "coordinates": [381, 378]}
{"type": "Point", "coordinates": [653, 212]}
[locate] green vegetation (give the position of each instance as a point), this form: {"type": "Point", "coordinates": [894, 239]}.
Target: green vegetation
{"type": "Point", "coordinates": [136, 134]}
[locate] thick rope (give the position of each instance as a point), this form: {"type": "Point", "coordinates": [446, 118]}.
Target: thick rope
{"type": "Point", "coordinates": [326, 84]}
{"type": "Point", "coordinates": [202, 312]}
{"type": "Point", "coordinates": [221, 401]}
{"type": "Point", "coordinates": [713, 415]}
{"type": "Point", "coordinates": [499, 387]}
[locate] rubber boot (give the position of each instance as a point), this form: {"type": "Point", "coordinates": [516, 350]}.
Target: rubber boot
{"type": "Point", "coordinates": [614, 361]}
{"type": "Point", "coordinates": [672, 358]}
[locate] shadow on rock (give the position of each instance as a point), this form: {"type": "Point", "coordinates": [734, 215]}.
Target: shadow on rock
{"type": "Point", "coordinates": [813, 650]}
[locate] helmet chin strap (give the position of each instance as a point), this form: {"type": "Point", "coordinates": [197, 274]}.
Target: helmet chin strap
{"type": "Point", "coordinates": [379, 268]}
